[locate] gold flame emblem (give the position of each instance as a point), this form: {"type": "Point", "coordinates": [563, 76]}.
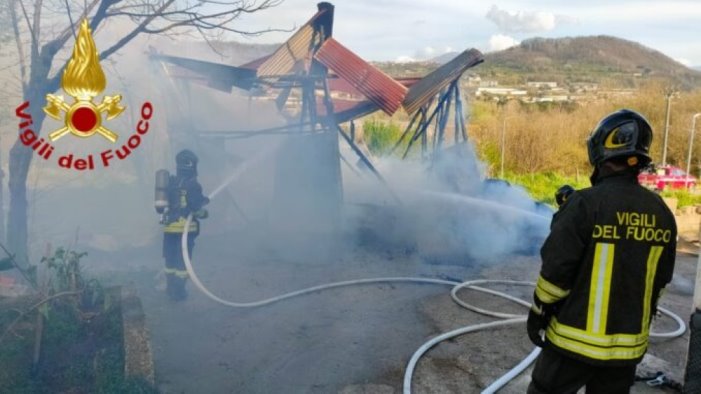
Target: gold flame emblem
{"type": "Point", "coordinates": [83, 79]}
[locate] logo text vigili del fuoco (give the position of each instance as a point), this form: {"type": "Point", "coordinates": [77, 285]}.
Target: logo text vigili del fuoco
{"type": "Point", "coordinates": [83, 79]}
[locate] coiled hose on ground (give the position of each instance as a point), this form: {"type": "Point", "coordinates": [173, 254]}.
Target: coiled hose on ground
{"type": "Point", "coordinates": [510, 319]}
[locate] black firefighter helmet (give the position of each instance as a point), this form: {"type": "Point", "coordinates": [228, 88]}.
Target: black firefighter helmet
{"type": "Point", "coordinates": [624, 133]}
{"type": "Point", "coordinates": [186, 162]}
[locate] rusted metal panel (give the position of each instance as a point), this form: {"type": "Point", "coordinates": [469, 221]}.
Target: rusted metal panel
{"type": "Point", "coordinates": [295, 50]}
{"type": "Point", "coordinates": [346, 110]}
{"type": "Point", "coordinates": [299, 48]}
{"type": "Point", "coordinates": [337, 84]}
{"type": "Point", "coordinates": [219, 76]}
{"type": "Point", "coordinates": [431, 84]}
{"type": "Point", "coordinates": [408, 81]}
{"type": "Point", "coordinates": [346, 114]}
{"type": "Point", "coordinates": [340, 85]}
{"type": "Point", "coordinates": [377, 86]}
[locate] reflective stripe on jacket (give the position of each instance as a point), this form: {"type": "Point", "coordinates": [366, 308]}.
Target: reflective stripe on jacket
{"type": "Point", "coordinates": [610, 252]}
{"type": "Point", "coordinates": [178, 226]}
{"type": "Point", "coordinates": [184, 198]}
{"type": "Point", "coordinates": [179, 273]}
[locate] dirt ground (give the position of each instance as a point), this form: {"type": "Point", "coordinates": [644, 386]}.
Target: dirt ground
{"type": "Point", "coordinates": [349, 340]}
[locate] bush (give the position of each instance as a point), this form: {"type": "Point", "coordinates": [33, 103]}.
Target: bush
{"type": "Point", "coordinates": [684, 197]}
{"type": "Point", "coordinates": [380, 137]}
{"type": "Point", "coordinates": [542, 186]}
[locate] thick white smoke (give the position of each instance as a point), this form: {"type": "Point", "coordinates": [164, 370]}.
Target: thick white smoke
{"type": "Point", "coordinates": [448, 212]}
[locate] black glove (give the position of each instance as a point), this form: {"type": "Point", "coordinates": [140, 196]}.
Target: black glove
{"type": "Point", "coordinates": [201, 214]}
{"type": "Point", "coordinates": [563, 193]}
{"type": "Point", "coordinates": [534, 325]}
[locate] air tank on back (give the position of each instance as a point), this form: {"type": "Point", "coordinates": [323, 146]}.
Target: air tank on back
{"type": "Point", "coordinates": [161, 196]}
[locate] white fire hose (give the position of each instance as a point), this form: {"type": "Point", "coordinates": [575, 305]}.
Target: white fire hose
{"type": "Point", "coordinates": [510, 318]}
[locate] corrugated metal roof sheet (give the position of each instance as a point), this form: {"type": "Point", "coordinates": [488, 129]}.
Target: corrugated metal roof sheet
{"type": "Point", "coordinates": [431, 84]}
{"type": "Point", "coordinates": [298, 48]}
{"type": "Point", "coordinates": [347, 113]}
{"type": "Point", "coordinates": [218, 76]}
{"type": "Point", "coordinates": [337, 84]}
{"type": "Point", "coordinates": [295, 50]}
{"type": "Point", "coordinates": [377, 86]}
{"type": "Point", "coordinates": [407, 81]}
{"type": "Point", "coordinates": [254, 64]}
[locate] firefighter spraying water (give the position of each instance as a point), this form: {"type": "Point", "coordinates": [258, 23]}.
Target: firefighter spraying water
{"type": "Point", "coordinates": [177, 197]}
{"type": "Point", "coordinates": [599, 285]}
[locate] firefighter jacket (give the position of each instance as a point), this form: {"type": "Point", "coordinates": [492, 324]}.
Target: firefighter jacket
{"type": "Point", "coordinates": [609, 254]}
{"type": "Point", "coordinates": [184, 197]}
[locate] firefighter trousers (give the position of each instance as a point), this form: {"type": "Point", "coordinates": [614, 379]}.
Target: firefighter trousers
{"type": "Point", "coordinates": [176, 273]}
{"type": "Point", "coordinates": [555, 373]}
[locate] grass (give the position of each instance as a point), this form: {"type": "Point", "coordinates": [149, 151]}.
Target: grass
{"type": "Point", "coordinates": [542, 186]}
{"type": "Point", "coordinates": [684, 197]}
{"type": "Point", "coordinates": [77, 355]}
{"type": "Point", "coordinates": [381, 136]}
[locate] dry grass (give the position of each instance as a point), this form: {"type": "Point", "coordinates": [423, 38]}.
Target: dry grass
{"type": "Point", "coordinates": [552, 139]}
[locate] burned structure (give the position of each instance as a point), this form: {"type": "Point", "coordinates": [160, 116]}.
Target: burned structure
{"type": "Point", "coordinates": [321, 87]}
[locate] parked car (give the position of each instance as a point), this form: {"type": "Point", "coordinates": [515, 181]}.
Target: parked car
{"type": "Point", "coordinates": [667, 177]}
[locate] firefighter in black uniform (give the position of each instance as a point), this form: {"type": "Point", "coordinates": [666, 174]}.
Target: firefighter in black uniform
{"type": "Point", "coordinates": [610, 252]}
{"type": "Point", "coordinates": [184, 197]}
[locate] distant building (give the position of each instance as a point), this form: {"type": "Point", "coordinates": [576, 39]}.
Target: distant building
{"type": "Point", "coordinates": [556, 98]}
{"type": "Point", "coordinates": [580, 87]}
{"type": "Point", "coordinates": [617, 92]}
{"type": "Point", "coordinates": [488, 84]}
{"type": "Point", "coordinates": [541, 85]}
{"type": "Point", "coordinates": [558, 91]}
{"type": "Point", "coordinates": [482, 91]}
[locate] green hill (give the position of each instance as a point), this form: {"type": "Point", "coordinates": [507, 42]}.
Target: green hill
{"type": "Point", "coordinates": [602, 59]}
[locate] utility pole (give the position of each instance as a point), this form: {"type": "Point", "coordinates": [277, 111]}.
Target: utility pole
{"type": "Point", "coordinates": [669, 92]}
{"type": "Point", "coordinates": [503, 102]}
{"type": "Point", "coordinates": [691, 148]}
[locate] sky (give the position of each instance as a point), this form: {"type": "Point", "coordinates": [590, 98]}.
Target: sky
{"type": "Point", "coordinates": [420, 29]}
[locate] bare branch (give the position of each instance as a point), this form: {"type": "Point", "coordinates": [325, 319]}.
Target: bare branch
{"type": "Point", "coordinates": [191, 17]}
{"type": "Point", "coordinates": [37, 22]}
{"type": "Point", "coordinates": [140, 28]}
{"type": "Point", "coordinates": [35, 39]}
{"type": "Point", "coordinates": [18, 41]}
{"type": "Point", "coordinates": [52, 47]}
{"type": "Point", "coordinates": [66, 32]}
{"type": "Point", "coordinates": [33, 307]}
{"type": "Point", "coordinates": [210, 44]}
{"type": "Point", "coordinates": [70, 19]}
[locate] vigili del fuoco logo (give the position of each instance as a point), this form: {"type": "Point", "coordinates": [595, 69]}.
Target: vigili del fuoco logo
{"type": "Point", "coordinates": [83, 79]}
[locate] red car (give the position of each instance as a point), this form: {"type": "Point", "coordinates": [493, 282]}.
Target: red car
{"type": "Point", "coordinates": [667, 177]}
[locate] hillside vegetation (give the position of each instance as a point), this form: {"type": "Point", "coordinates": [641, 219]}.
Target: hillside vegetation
{"type": "Point", "coordinates": [549, 137]}
{"type": "Point", "coordinates": [603, 59]}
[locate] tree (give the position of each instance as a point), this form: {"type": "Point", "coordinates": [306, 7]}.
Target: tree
{"type": "Point", "coordinates": [39, 37]}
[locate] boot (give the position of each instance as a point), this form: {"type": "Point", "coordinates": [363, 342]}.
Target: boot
{"type": "Point", "coordinates": [176, 288]}
{"type": "Point", "coordinates": [179, 292]}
